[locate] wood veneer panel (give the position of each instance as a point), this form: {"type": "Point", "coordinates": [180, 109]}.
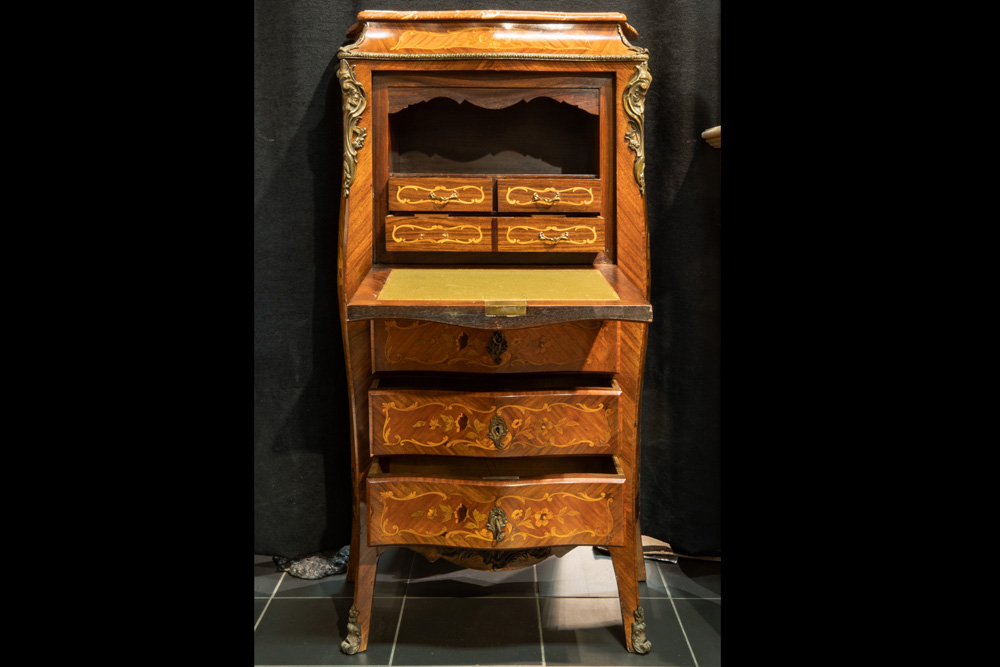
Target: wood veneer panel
{"type": "Point", "coordinates": [548, 194]}
{"type": "Point", "coordinates": [408, 233]}
{"type": "Point", "coordinates": [550, 234]}
{"type": "Point", "coordinates": [409, 345]}
{"type": "Point", "coordinates": [455, 513]}
{"type": "Point", "coordinates": [441, 194]}
{"type": "Point", "coordinates": [477, 15]}
{"type": "Point", "coordinates": [458, 423]}
{"type": "Point", "coordinates": [486, 35]}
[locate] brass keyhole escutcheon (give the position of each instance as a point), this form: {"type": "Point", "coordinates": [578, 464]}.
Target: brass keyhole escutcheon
{"type": "Point", "coordinates": [498, 429]}
{"type": "Point", "coordinates": [497, 346]}
{"type": "Point", "coordinates": [497, 523]}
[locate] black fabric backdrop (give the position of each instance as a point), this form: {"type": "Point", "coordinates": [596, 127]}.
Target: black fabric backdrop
{"type": "Point", "coordinates": [301, 456]}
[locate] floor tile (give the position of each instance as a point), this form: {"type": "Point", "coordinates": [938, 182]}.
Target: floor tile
{"type": "Point", "coordinates": [589, 631]}
{"type": "Point", "coordinates": [265, 576]}
{"type": "Point", "coordinates": [702, 621]}
{"type": "Point", "coordinates": [258, 607]}
{"type": "Point", "coordinates": [308, 631]}
{"type": "Point", "coordinates": [469, 631]}
{"type": "Point", "coordinates": [585, 573]}
{"type": "Point", "coordinates": [390, 579]}
{"type": "Point", "coordinates": [690, 578]}
{"type": "Point", "coordinates": [444, 579]}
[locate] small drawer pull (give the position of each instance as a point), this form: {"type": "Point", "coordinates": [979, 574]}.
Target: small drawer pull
{"type": "Point", "coordinates": [444, 200]}
{"type": "Point", "coordinates": [562, 237]}
{"type": "Point", "coordinates": [543, 200]}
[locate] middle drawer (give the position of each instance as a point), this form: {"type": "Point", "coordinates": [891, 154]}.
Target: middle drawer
{"type": "Point", "coordinates": [571, 419]}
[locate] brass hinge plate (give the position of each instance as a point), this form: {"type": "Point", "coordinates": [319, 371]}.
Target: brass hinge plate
{"type": "Point", "coordinates": [506, 308]}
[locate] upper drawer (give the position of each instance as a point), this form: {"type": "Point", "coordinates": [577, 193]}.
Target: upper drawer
{"type": "Point", "coordinates": [549, 194]}
{"type": "Point", "coordinates": [409, 345]}
{"type": "Point", "coordinates": [441, 195]}
{"type": "Point", "coordinates": [526, 422]}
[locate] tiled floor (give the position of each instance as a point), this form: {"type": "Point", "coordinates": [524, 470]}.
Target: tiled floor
{"type": "Point", "coordinates": [562, 611]}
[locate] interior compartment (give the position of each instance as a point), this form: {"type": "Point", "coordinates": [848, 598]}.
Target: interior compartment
{"type": "Point", "coordinates": [537, 136]}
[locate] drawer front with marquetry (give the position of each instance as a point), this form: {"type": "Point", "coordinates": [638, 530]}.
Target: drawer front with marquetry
{"type": "Point", "coordinates": [548, 195]}
{"type": "Point", "coordinates": [494, 424]}
{"type": "Point", "coordinates": [550, 234]}
{"type": "Point", "coordinates": [441, 195]}
{"type": "Point", "coordinates": [412, 345]}
{"type": "Point", "coordinates": [495, 515]}
{"type": "Point", "coordinates": [415, 233]}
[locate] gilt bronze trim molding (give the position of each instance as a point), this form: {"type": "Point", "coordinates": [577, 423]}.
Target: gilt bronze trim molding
{"type": "Point", "coordinates": [638, 50]}
{"type": "Point", "coordinates": [355, 102]}
{"type": "Point", "coordinates": [639, 642]}
{"type": "Point", "coordinates": [634, 101]}
{"type": "Point", "coordinates": [351, 645]}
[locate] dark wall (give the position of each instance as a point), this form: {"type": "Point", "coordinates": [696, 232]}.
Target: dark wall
{"type": "Point", "coordinates": [301, 454]}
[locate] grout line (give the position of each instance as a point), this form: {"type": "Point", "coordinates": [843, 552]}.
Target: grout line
{"type": "Point", "coordinates": [264, 610]}
{"type": "Point", "coordinates": [402, 606]}
{"type": "Point", "coordinates": [670, 596]}
{"type": "Point", "coordinates": [484, 596]}
{"type": "Point", "coordinates": [538, 608]}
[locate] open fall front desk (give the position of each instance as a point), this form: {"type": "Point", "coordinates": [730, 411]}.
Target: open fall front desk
{"type": "Point", "coordinates": [493, 277]}
{"type": "Point", "coordinates": [499, 297]}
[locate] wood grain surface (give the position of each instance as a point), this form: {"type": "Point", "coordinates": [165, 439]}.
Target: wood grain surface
{"type": "Point", "coordinates": [564, 510]}
{"type": "Point", "coordinates": [457, 423]}
{"type": "Point", "coordinates": [549, 194]}
{"type": "Point", "coordinates": [408, 345]}
{"type": "Point", "coordinates": [441, 194]}
{"type": "Point", "coordinates": [414, 233]}
{"type": "Point", "coordinates": [549, 234]}
{"type": "Point", "coordinates": [490, 34]}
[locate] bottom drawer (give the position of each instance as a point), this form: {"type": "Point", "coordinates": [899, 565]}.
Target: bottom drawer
{"type": "Point", "coordinates": [495, 504]}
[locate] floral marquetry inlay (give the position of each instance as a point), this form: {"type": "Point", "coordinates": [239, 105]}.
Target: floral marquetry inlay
{"type": "Point", "coordinates": [453, 517]}
{"type": "Point", "coordinates": [539, 235]}
{"type": "Point", "coordinates": [434, 424]}
{"type": "Point", "coordinates": [399, 234]}
{"type": "Point", "coordinates": [525, 196]}
{"type": "Point", "coordinates": [461, 194]}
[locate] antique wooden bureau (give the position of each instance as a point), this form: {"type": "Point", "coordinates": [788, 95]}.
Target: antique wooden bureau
{"type": "Point", "coordinates": [493, 274]}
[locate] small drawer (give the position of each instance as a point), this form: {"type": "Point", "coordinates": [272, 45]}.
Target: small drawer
{"type": "Point", "coordinates": [532, 422]}
{"type": "Point", "coordinates": [569, 501]}
{"type": "Point", "coordinates": [550, 234]}
{"type": "Point", "coordinates": [412, 345]}
{"type": "Point", "coordinates": [549, 195]}
{"type": "Point", "coordinates": [441, 195]}
{"type": "Point", "coordinates": [446, 233]}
